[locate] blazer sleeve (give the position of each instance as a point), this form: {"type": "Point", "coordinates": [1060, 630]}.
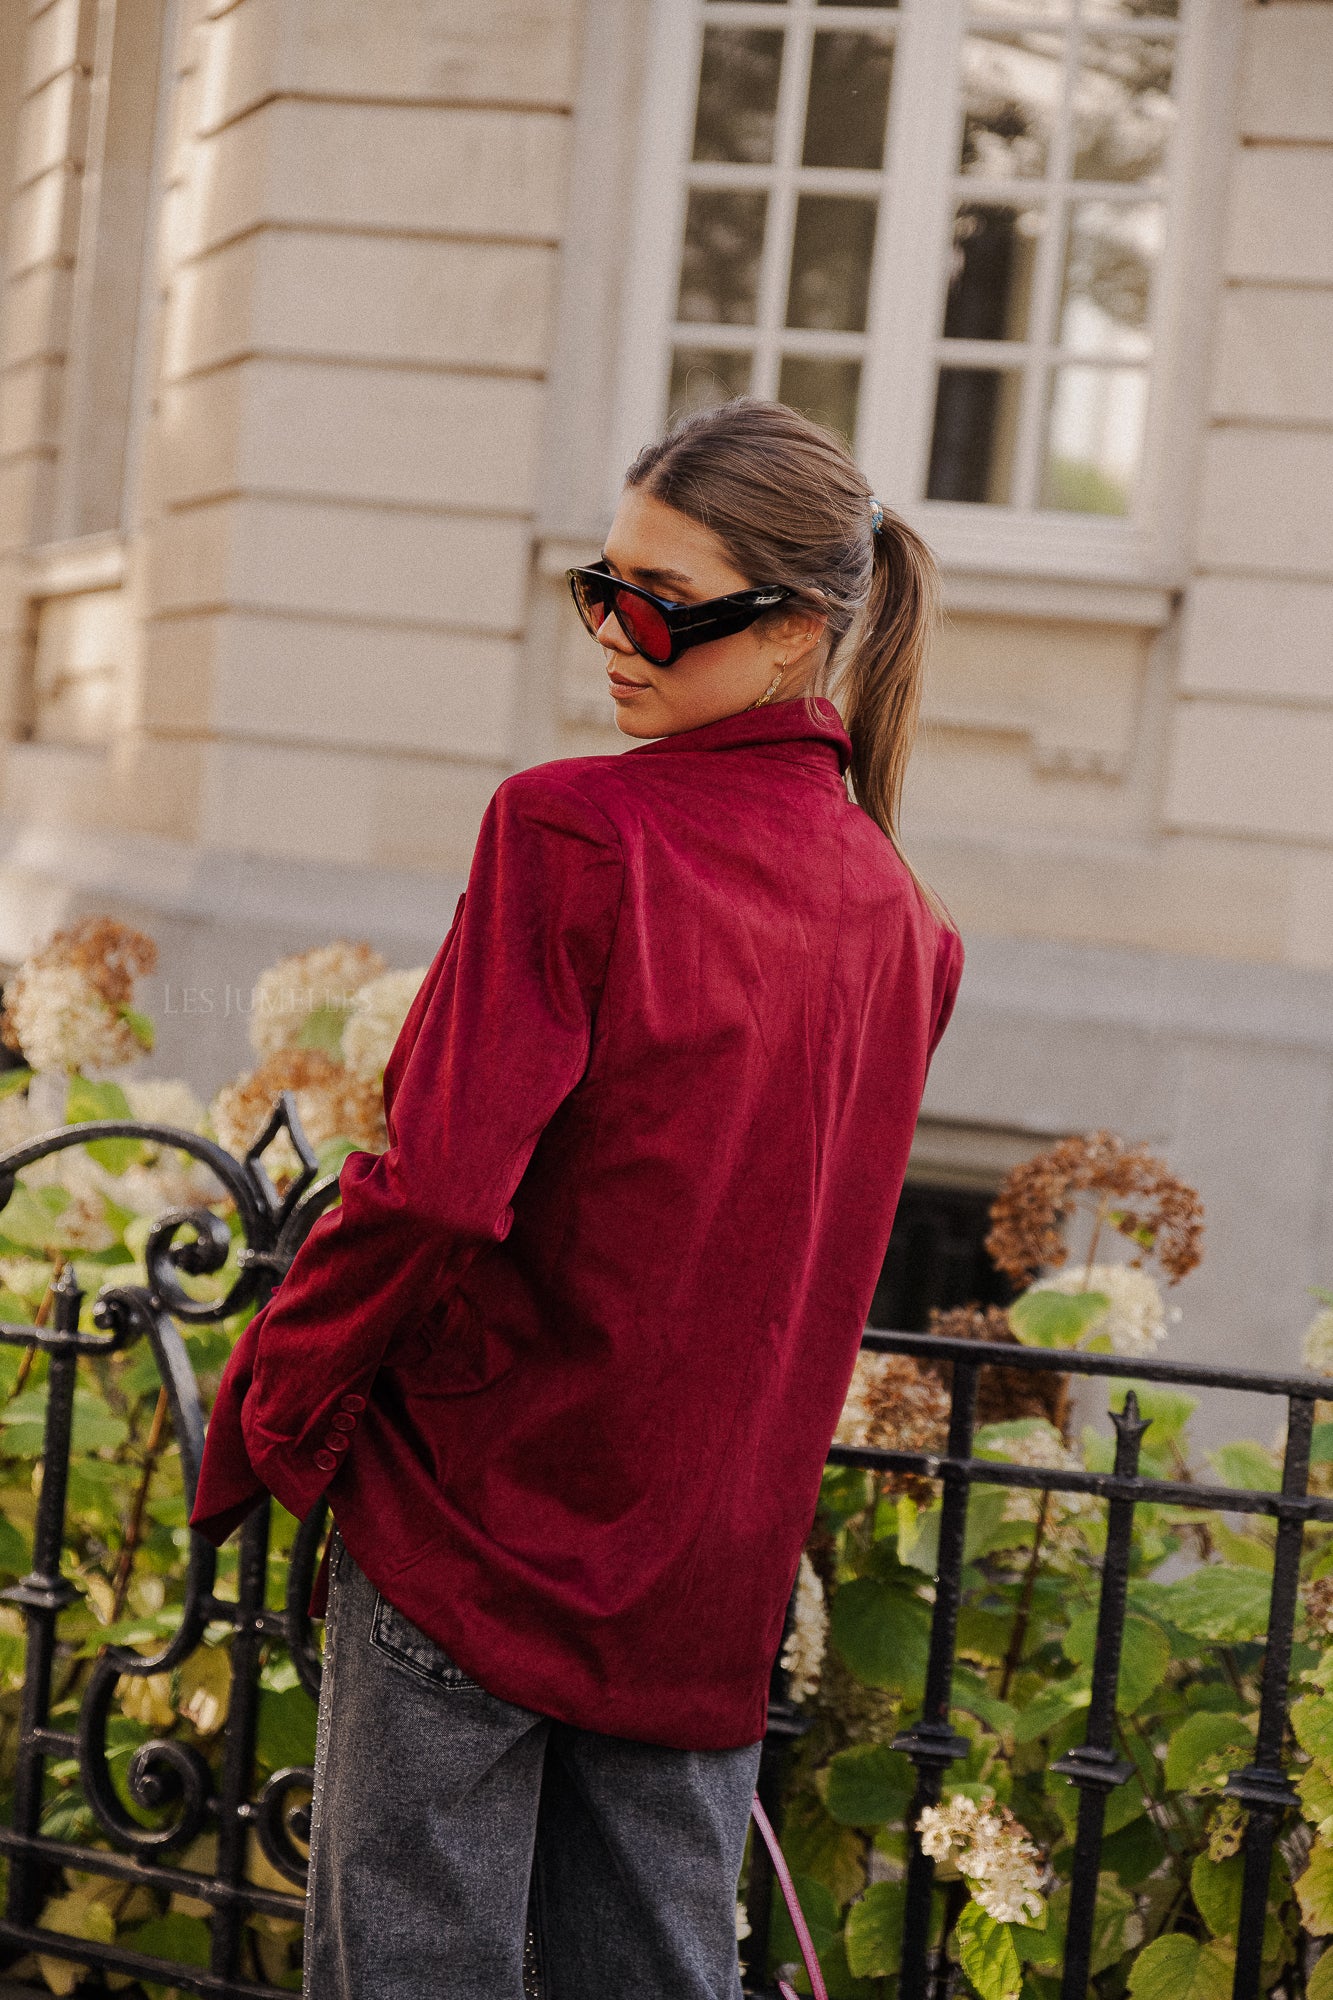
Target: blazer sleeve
{"type": "Point", "coordinates": [498, 1035]}
{"type": "Point", "coordinates": [948, 974]}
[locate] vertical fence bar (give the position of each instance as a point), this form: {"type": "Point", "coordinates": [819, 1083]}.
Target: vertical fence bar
{"type": "Point", "coordinates": [235, 1812]}
{"type": "Point", "coordinates": [43, 1595]}
{"type": "Point", "coordinates": [1094, 1766]}
{"type": "Point", "coordinates": [931, 1743]}
{"type": "Point", "coordinates": [1263, 1787]}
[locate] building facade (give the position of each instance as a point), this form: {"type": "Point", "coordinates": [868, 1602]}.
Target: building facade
{"type": "Point", "coordinates": [326, 330]}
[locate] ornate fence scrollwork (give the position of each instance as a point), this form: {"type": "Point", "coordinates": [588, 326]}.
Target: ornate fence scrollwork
{"type": "Point", "coordinates": [171, 1795]}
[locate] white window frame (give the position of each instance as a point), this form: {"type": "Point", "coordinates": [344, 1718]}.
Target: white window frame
{"type": "Point", "coordinates": [1149, 547]}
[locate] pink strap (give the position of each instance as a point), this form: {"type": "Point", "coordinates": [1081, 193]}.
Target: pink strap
{"type": "Point", "coordinates": [794, 1910]}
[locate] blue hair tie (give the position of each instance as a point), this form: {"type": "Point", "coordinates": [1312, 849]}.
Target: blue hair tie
{"type": "Point", "coordinates": [876, 516]}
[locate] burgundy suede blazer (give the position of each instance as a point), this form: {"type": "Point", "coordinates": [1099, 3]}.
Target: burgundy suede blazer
{"type": "Point", "coordinates": [568, 1356]}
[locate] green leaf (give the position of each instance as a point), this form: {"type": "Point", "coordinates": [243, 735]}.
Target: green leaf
{"type": "Point", "coordinates": [883, 1633]}
{"type": "Point", "coordinates": [87, 1101]}
{"type": "Point", "coordinates": [987, 1954]}
{"type": "Point", "coordinates": [1314, 1890]}
{"type": "Point", "coordinates": [821, 1915]}
{"type": "Point", "coordinates": [323, 1029]}
{"type": "Point", "coordinates": [175, 1936]}
{"type": "Point", "coordinates": [1056, 1319]}
{"type": "Point", "coordinates": [1247, 1464]}
{"type": "Point", "coordinates": [874, 1935]}
{"type": "Point", "coordinates": [1315, 1786]}
{"type": "Point", "coordinates": [1221, 1602]}
{"type": "Point", "coordinates": [1054, 1705]}
{"type": "Point", "coordinates": [12, 1080]}
{"type": "Point", "coordinates": [1178, 1968]}
{"type": "Point", "coordinates": [868, 1786]}
{"type": "Point", "coordinates": [1216, 1889]}
{"type": "Point", "coordinates": [1312, 1720]}
{"type": "Point", "coordinates": [14, 1552]}
{"type": "Point", "coordinates": [286, 1730]}
{"type": "Point", "coordinates": [1321, 1447]}
{"type": "Point", "coordinates": [1145, 1656]}
{"type": "Point", "coordinates": [1206, 1748]}
{"type": "Point", "coordinates": [139, 1025]}
{"type": "Point", "coordinates": [30, 1224]}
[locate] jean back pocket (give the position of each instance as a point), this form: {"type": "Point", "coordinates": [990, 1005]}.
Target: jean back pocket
{"type": "Point", "coordinates": [394, 1635]}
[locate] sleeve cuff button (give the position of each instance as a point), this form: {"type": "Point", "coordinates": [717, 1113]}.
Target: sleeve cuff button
{"type": "Point", "coordinates": [325, 1460]}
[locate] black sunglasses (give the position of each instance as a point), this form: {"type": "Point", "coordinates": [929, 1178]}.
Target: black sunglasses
{"type": "Point", "coordinates": [659, 630]}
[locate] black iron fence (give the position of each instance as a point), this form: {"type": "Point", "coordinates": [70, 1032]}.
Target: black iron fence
{"type": "Point", "coordinates": [171, 1794]}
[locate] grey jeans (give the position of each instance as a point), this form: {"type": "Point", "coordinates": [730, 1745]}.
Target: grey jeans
{"type": "Point", "coordinates": [445, 1821]}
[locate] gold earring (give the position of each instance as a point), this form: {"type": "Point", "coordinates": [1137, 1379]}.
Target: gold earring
{"type": "Point", "coordinates": [771, 689]}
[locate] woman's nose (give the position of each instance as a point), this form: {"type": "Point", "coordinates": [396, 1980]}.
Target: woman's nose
{"type": "Point", "coordinates": [610, 635]}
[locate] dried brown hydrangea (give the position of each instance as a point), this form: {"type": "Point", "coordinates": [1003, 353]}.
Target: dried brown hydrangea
{"type": "Point", "coordinates": [331, 1103]}
{"type": "Point", "coordinates": [1134, 1193]}
{"type": "Point", "coordinates": [894, 1404]}
{"type": "Point", "coordinates": [1318, 1598]}
{"type": "Point", "coordinates": [65, 1006]}
{"type": "Point", "coordinates": [1003, 1394]}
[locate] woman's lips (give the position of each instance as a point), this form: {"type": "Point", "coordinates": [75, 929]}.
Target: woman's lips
{"type": "Point", "coordinates": [620, 687]}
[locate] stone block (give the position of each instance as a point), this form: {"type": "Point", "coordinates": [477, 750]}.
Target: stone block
{"type": "Point", "coordinates": [340, 561]}
{"type": "Point", "coordinates": [1274, 357]}
{"type": "Point", "coordinates": [52, 127]}
{"type": "Point", "coordinates": [43, 222]}
{"type": "Point", "coordinates": [1267, 501]}
{"type": "Point", "coordinates": [426, 814]}
{"type": "Point", "coordinates": [30, 406]}
{"type": "Point", "coordinates": [407, 300]}
{"type": "Point", "coordinates": [176, 671]}
{"type": "Point", "coordinates": [210, 310]}
{"type": "Point", "coordinates": [267, 798]}
{"type": "Point", "coordinates": [1241, 768]}
{"type": "Point", "coordinates": [352, 685]}
{"type": "Point", "coordinates": [450, 170]}
{"type": "Point", "coordinates": [1250, 635]}
{"type": "Point", "coordinates": [511, 51]}
{"type": "Point", "coordinates": [36, 315]}
{"type": "Point", "coordinates": [380, 564]}
{"type": "Point", "coordinates": [1281, 221]}
{"type": "Point", "coordinates": [1287, 72]}
{"type": "Point", "coordinates": [398, 435]}
{"type": "Point", "coordinates": [59, 38]}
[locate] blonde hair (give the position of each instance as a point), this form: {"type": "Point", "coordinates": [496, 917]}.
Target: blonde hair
{"type": "Point", "coordinates": [790, 505]}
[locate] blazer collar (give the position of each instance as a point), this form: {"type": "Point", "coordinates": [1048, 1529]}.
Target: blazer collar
{"type": "Point", "coordinates": [811, 719]}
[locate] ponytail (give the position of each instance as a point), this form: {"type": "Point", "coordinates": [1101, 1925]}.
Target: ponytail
{"type": "Point", "coordinates": [879, 681]}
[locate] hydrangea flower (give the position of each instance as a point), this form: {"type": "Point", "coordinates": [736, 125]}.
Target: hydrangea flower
{"type": "Point", "coordinates": [379, 1009]}
{"type": "Point", "coordinates": [1136, 1320]}
{"type": "Point", "coordinates": [993, 1854]}
{"type": "Point", "coordinates": [803, 1654]}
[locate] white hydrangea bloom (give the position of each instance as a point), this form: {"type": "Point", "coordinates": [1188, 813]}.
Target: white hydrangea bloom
{"type": "Point", "coordinates": [288, 993]}
{"type": "Point", "coordinates": [993, 1854]}
{"type": "Point", "coordinates": [63, 1023]}
{"type": "Point", "coordinates": [1136, 1319]}
{"type": "Point", "coordinates": [165, 1100]}
{"type": "Point", "coordinates": [1317, 1347]}
{"type": "Point", "coordinates": [803, 1654]}
{"type": "Point", "coordinates": [742, 1923]}
{"type": "Point", "coordinates": [379, 1009]}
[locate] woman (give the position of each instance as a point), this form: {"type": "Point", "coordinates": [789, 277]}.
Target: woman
{"type": "Point", "coordinates": [568, 1357]}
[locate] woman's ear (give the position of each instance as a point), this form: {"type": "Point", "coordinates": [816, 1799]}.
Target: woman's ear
{"type": "Point", "coordinates": [798, 633]}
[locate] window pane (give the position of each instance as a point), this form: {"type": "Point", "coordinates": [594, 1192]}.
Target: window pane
{"type": "Point", "coordinates": [738, 94]}
{"type": "Point", "coordinates": [1110, 257]}
{"type": "Point", "coordinates": [830, 263]}
{"type": "Point", "coordinates": [1011, 94]}
{"type": "Point", "coordinates": [824, 390]}
{"type": "Point", "coordinates": [990, 279]}
{"type": "Point", "coordinates": [1123, 114]}
{"type": "Point", "coordinates": [976, 422]}
{"type": "Point", "coordinates": [848, 109]}
{"type": "Point", "coordinates": [1094, 439]}
{"type": "Point", "coordinates": [719, 266]}
{"type": "Point", "coordinates": [703, 377]}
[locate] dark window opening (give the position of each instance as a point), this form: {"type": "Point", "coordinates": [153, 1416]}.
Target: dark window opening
{"type": "Point", "coordinates": [937, 1258]}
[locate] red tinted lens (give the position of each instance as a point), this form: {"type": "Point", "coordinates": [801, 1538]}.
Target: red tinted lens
{"type": "Point", "coordinates": [644, 626]}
